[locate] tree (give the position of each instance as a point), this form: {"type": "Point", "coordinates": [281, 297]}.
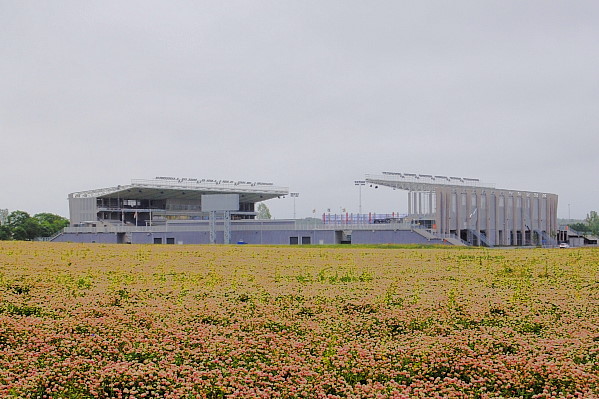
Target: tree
{"type": "Point", "coordinates": [23, 226]}
{"type": "Point", "coordinates": [593, 222]}
{"type": "Point", "coordinates": [17, 218]}
{"type": "Point", "coordinates": [579, 227]}
{"type": "Point", "coordinates": [50, 223]}
{"type": "Point", "coordinates": [263, 212]}
{"type": "Point", "coordinates": [5, 233]}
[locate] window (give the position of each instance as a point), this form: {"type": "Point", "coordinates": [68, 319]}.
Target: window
{"type": "Point", "coordinates": [306, 240]}
{"type": "Point", "coordinates": [293, 240]}
{"type": "Point", "coordinates": [170, 240]}
{"type": "Point", "coordinates": [157, 240]}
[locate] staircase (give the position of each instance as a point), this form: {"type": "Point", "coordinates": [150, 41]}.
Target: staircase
{"type": "Point", "coordinates": [450, 238]}
{"type": "Point", "coordinates": [547, 240]}
{"type": "Point", "coordinates": [426, 234]}
{"type": "Point", "coordinates": [455, 240]}
{"type": "Point", "coordinates": [482, 238]}
{"type": "Point", "coordinates": [51, 238]}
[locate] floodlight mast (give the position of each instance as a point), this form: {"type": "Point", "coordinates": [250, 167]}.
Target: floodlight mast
{"type": "Point", "coordinates": [294, 196]}
{"type": "Point", "coordinates": [360, 183]}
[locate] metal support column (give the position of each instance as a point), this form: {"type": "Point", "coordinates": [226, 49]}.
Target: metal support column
{"type": "Point", "coordinates": [212, 222]}
{"type": "Point", "coordinates": [227, 223]}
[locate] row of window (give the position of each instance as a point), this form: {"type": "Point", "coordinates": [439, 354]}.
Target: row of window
{"type": "Point", "coordinates": [169, 240]}
{"type": "Point", "coordinates": [306, 240]}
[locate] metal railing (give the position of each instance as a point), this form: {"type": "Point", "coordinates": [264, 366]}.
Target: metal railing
{"type": "Point", "coordinates": [238, 226]}
{"type": "Point", "coordinates": [448, 236]}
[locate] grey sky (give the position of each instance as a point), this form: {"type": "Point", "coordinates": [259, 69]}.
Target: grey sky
{"type": "Point", "coordinates": [311, 95]}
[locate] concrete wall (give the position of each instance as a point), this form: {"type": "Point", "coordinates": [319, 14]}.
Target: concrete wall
{"type": "Point", "coordinates": [268, 237]}
{"type": "Point", "coordinates": [274, 237]}
{"type": "Point", "coordinates": [390, 237]}
{"type": "Point", "coordinates": [103, 238]}
{"type": "Point", "coordinates": [82, 210]}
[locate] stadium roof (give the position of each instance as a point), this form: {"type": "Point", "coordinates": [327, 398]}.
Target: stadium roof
{"type": "Point", "coordinates": [413, 181]}
{"type": "Point", "coordinates": [419, 182]}
{"type": "Point", "coordinates": [177, 188]}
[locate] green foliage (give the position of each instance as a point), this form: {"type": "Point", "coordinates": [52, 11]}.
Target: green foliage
{"type": "Point", "coordinates": [593, 222]}
{"type": "Point", "coordinates": [263, 212]}
{"type": "Point", "coordinates": [580, 227]}
{"type": "Point", "coordinates": [21, 226]}
{"type": "Point", "coordinates": [5, 233]}
{"type": "Point", "coordinates": [590, 225]}
{"type": "Point", "coordinates": [17, 218]}
{"type": "Point", "coordinates": [50, 223]}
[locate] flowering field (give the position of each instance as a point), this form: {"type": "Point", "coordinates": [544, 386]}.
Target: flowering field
{"type": "Point", "coordinates": [108, 321]}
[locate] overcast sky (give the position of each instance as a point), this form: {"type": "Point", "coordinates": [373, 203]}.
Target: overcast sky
{"type": "Point", "coordinates": [310, 95]}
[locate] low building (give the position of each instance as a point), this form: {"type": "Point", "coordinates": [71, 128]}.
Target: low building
{"type": "Point", "coordinates": [574, 238]}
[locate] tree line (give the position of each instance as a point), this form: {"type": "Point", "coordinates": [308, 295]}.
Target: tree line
{"type": "Point", "coordinates": [21, 226]}
{"type": "Point", "coordinates": [590, 224]}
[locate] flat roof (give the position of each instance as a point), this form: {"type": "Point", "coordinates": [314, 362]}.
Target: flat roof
{"type": "Point", "coordinates": [420, 182]}
{"type": "Point", "coordinates": [176, 188]}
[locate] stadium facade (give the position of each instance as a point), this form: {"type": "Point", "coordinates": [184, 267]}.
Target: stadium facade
{"type": "Point", "coordinates": [476, 212]}
{"type": "Point", "coordinates": [441, 210]}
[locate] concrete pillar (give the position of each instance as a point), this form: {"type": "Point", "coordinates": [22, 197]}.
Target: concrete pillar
{"type": "Point", "coordinates": [458, 204]}
{"type": "Point", "coordinates": [431, 203]}
{"type": "Point", "coordinates": [410, 203]}
{"type": "Point", "coordinates": [505, 220]}
{"type": "Point", "coordinates": [547, 215]}
{"type": "Point", "coordinates": [478, 213]}
{"type": "Point", "coordinates": [468, 210]}
{"type": "Point", "coordinates": [521, 213]}
{"type": "Point", "coordinates": [439, 210]}
{"type": "Point", "coordinates": [530, 217]}
{"type": "Point", "coordinates": [514, 228]}
{"type": "Point", "coordinates": [449, 198]}
{"type": "Point", "coordinates": [495, 217]}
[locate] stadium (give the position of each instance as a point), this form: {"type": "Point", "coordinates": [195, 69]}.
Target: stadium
{"type": "Point", "coordinates": [441, 210]}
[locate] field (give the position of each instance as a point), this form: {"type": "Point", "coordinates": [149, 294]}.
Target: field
{"type": "Point", "coordinates": [103, 321]}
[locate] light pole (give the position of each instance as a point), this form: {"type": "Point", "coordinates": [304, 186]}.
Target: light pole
{"type": "Point", "coordinates": [569, 219]}
{"type": "Point", "coordinates": [360, 183]}
{"type": "Point", "coordinates": [294, 196]}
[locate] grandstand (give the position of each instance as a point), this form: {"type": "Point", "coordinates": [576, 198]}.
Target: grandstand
{"type": "Point", "coordinates": [475, 212]}
{"type": "Point", "coordinates": [153, 202]}
{"type": "Point", "coordinates": [441, 210]}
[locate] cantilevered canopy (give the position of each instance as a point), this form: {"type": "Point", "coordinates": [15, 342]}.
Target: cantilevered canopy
{"type": "Point", "coordinates": [190, 189]}
{"type": "Point", "coordinates": [417, 182]}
